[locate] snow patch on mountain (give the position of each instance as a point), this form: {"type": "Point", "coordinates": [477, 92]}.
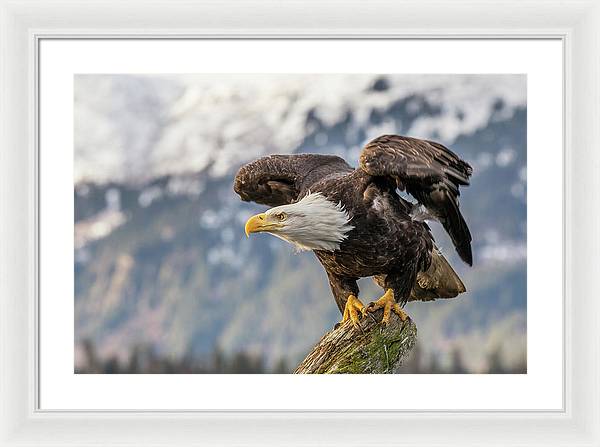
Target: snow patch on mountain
{"type": "Point", "coordinates": [176, 124]}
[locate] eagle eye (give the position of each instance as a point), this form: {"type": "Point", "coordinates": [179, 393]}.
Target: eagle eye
{"type": "Point", "coordinates": [281, 216]}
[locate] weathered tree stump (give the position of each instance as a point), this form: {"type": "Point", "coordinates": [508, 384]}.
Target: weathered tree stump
{"type": "Point", "coordinates": [373, 349]}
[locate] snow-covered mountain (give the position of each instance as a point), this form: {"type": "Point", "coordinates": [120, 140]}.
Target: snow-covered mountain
{"type": "Point", "coordinates": [161, 259]}
{"type": "Point", "coordinates": [133, 128]}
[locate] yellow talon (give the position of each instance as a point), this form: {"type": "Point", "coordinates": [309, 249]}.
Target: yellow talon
{"type": "Point", "coordinates": [388, 304]}
{"type": "Point", "coordinates": [353, 306]}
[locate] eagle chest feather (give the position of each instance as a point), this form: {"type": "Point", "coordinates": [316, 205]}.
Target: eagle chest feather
{"type": "Point", "coordinates": [384, 235]}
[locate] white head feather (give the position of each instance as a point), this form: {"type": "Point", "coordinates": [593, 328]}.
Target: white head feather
{"type": "Point", "coordinates": [313, 223]}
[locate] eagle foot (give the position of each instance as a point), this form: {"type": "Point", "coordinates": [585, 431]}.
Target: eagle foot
{"type": "Point", "coordinates": [351, 311]}
{"type": "Point", "coordinates": [389, 305]}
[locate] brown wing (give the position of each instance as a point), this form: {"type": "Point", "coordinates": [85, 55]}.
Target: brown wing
{"type": "Point", "coordinates": [279, 179]}
{"type": "Point", "coordinates": [429, 172]}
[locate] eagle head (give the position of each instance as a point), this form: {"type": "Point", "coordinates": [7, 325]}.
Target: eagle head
{"type": "Point", "coordinates": [312, 223]}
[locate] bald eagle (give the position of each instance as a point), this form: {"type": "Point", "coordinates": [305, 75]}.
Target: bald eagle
{"type": "Point", "coordinates": [357, 223]}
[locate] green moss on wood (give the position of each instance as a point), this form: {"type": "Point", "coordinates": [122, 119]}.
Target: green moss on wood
{"type": "Point", "coordinates": [374, 349]}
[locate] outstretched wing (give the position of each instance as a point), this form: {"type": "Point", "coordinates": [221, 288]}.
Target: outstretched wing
{"type": "Point", "coordinates": [280, 179]}
{"type": "Point", "coordinates": [429, 172]}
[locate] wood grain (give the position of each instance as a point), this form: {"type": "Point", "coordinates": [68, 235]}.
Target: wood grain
{"type": "Point", "coordinates": [372, 349]}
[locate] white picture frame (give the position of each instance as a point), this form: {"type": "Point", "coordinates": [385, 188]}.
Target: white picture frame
{"type": "Point", "coordinates": [23, 24]}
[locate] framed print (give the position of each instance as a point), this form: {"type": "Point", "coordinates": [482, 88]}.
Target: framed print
{"type": "Point", "coordinates": [423, 179]}
{"type": "Point", "coordinates": [168, 165]}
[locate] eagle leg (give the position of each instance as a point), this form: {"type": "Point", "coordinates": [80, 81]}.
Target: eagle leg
{"type": "Point", "coordinates": [389, 305]}
{"type": "Point", "coordinates": [351, 310]}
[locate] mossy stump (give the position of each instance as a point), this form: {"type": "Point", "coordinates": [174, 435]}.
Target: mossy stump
{"type": "Point", "coordinates": [373, 349]}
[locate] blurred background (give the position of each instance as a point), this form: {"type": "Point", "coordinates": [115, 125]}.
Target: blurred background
{"type": "Point", "coordinates": [167, 282]}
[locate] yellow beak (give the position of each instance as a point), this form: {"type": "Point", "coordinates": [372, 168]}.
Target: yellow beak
{"type": "Point", "coordinates": [256, 224]}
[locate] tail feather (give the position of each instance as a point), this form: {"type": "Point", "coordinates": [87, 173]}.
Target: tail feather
{"type": "Point", "coordinates": [439, 281]}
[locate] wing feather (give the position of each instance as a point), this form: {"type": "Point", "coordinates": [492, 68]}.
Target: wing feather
{"type": "Point", "coordinates": [428, 171]}
{"type": "Point", "coordinates": [280, 179]}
